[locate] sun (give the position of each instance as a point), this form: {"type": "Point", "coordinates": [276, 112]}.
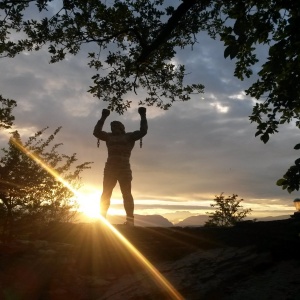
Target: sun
{"type": "Point", "coordinates": [89, 204]}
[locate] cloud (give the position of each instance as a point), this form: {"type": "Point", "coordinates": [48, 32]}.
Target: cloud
{"type": "Point", "coordinates": [194, 151]}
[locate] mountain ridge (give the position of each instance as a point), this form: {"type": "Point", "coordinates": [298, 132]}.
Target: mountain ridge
{"type": "Point", "coordinates": [161, 221]}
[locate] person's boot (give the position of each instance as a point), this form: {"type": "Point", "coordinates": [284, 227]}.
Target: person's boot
{"type": "Point", "coordinates": [129, 221]}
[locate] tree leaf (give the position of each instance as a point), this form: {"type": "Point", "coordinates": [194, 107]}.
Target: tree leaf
{"type": "Point", "coordinates": [265, 138]}
{"type": "Point", "coordinates": [227, 51]}
{"type": "Point", "coordinates": [281, 182]}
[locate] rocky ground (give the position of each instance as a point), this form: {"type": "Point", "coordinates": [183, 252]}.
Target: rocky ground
{"type": "Point", "coordinates": [86, 262]}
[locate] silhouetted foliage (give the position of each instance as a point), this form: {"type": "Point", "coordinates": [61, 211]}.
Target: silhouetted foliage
{"type": "Point", "coordinates": [290, 180]}
{"type": "Point", "coordinates": [136, 41]}
{"type": "Point", "coordinates": [132, 49]}
{"type": "Point", "coordinates": [228, 211]}
{"type": "Point", "coordinates": [6, 107]}
{"type": "Point", "coordinates": [33, 182]}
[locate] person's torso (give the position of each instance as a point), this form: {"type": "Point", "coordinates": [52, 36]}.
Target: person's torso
{"type": "Point", "coordinates": [119, 148]}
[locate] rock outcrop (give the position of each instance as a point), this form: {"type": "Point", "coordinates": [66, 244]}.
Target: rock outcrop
{"type": "Point", "coordinates": [251, 261]}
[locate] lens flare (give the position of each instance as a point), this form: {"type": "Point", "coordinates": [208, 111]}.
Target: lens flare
{"type": "Point", "coordinates": [157, 277]}
{"type": "Point", "coordinates": [44, 165]}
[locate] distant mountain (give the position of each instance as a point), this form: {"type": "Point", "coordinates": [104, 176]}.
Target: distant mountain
{"type": "Point", "coordinates": [177, 216]}
{"type": "Point", "coordinates": [283, 217]}
{"type": "Point", "coordinates": [152, 220]}
{"type": "Point", "coordinates": [139, 220]}
{"type": "Point", "coordinates": [193, 221]}
{"type": "Point", "coordinates": [201, 219]}
{"type": "Point", "coordinates": [161, 221]}
{"type": "Point", "coordinates": [144, 221]}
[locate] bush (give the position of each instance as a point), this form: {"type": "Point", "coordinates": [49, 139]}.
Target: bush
{"type": "Point", "coordinates": [228, 211]}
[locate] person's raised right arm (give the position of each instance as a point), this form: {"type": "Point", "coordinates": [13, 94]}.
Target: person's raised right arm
{"type": "Point", "coordinates": [98, 132]}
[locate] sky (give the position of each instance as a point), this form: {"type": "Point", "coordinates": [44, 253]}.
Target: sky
{"type": "Point", "coordinates": [192, 152]}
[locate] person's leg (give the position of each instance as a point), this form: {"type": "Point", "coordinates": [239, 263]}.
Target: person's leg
{"type": "Point", "coordinates": [125, 186]}
{"type": "Point", "coordinates": [109, 182]}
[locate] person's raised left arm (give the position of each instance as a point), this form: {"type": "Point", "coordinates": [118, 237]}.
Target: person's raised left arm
{"type": "Point", "coordinates": [136, 135]}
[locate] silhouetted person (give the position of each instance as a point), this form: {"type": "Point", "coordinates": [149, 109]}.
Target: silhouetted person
{"type": "Point", "coordinates": [117, 168]}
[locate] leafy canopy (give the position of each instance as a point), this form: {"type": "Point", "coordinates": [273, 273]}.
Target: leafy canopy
{"type": "Point", "coordinates": [123, 33]}
{"type": "Point", "coordinates": [135, 42]}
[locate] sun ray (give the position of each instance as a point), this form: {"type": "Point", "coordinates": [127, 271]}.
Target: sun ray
{"type": "Point", "coordinates": [44, 165]}
{"type": "Point", "coordinates": [158, 278]}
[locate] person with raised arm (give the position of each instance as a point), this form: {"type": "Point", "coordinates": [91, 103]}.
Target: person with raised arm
{"type": "Point", "coordinates": [117, 167]}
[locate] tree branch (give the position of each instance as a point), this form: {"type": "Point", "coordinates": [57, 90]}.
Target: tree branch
{"type": "Point", "coordinates": [167, 29]}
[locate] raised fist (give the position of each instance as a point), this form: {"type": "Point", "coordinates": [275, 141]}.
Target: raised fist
{"type": "Point", "coordinates": [142, 111]}
{"type": "Point", "coordinates": [105, 113]}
